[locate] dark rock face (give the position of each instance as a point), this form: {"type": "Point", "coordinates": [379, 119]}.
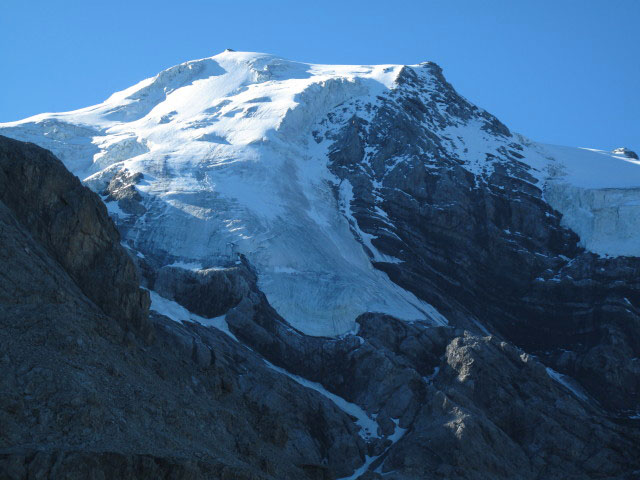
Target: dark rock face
{"type": "Point", "coordinates": [626, 152]}
{"type": "Point", "coordinates": [82, 464]}
{"type": "Point", "coordinates": [485, 249]}
{"type": "Point", "coordinates": [473, 407]}
{"type": "Point", "coordinates": [194, 405]}
{"type": "Point", "coordinates": [208, 292]}
{"type": "Point", "coordinates": [72, 224]}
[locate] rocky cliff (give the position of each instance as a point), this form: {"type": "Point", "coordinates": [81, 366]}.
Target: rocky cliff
{"type": "Point", "coordinates": [487, 250]}
{"type": "Point", "coordinates": [81, 398]}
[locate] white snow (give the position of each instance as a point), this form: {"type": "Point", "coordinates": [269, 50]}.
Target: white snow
{"type": "Point", "coordinates": [178, 313]}
{"type": "Point", "coordinates": [566, 383]}
{"type": "Point", "coordinates": [194, 266]}
{"type": "Point", "coordinates": [397, 434]}
{"type": "Point", "coordinates": [116, 212]}
{"type": "Point", "coordinates": [597, 192]}
{"type": "Point", "coordinates": [369, 427]}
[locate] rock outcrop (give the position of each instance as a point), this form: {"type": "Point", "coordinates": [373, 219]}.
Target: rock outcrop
{"type": "Point", "coordinates": [626, 152]}
{"type": "Point", "coordinates": [467, 406]}
{"type": "Point", "coordinates": [208, 292]}
{"type": "Point", "coordinates": [71, 223]}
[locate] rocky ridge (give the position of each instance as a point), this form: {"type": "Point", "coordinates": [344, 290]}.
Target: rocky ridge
{"type": "Point", "coordinates": [487, 250]}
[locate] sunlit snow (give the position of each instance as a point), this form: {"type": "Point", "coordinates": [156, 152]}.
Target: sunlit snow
{"type": "Point", "coordinates": [225, 148]}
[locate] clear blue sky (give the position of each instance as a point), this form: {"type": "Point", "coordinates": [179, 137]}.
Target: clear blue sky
{"type": "Point", "coordinates": [563, 71]}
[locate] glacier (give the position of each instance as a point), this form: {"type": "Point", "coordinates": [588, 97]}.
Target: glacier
{"type": "Point", "coordinates": [229, 162]}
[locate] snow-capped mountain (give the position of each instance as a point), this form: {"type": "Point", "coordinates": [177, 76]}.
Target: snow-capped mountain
{"type": "Point", "coordinates": [235, 155]}
{"type": "Point", "coordinates": [423, 293]}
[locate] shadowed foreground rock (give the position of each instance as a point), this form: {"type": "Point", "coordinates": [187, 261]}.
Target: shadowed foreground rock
{"type": "Point", "coordinates": [81, 397]}
{"type": "Point", "coordinates": [71, 224]}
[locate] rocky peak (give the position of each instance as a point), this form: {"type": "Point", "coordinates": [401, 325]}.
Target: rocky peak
{"type": "Point", "coordinates": [626, 152]}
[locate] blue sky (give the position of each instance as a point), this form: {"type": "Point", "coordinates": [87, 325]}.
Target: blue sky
{"type": "Point", "coordinates": [563, 71]}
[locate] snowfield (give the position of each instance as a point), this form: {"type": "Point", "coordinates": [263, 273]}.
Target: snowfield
{"type": "Point", "coordinates": [597, 192]}
{"type": "Point", "coordinates": [227, 154]}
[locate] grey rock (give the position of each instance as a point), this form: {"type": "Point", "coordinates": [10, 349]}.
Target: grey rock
{"type": "Point", "coordinates": [122, 189]}
{"type": "Point", "coordinates": [72, 224]}
{"type": "Point", "coordinates": [473, 407]}
{"type": "Point", "coordinates": [626, 152]}
{"type": "Point", "coordinates": [80, 398]}
{"type": "Point", "coordinates": [487, 251]}
{"type": "Point", "coordinates": [206, 292]}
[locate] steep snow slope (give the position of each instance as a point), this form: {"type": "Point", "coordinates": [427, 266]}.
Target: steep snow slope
{"type": "Point", "coordinates": [597, 192]}
{"type": "Point", "coordinates": [230, 163]}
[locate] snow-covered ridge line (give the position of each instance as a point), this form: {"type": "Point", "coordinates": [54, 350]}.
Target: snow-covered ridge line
{"type": "Point", "coordinates": [225, 148]}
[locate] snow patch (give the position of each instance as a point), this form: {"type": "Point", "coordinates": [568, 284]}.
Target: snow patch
{"type": "Point", "coordinates": [567, 383]}
{"type": "Point", "coordinates": [368, 426]}
{"type": "Point", "coordinates": [178, 313]}
{"type": "Point", "coordinates": [398, 433]}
